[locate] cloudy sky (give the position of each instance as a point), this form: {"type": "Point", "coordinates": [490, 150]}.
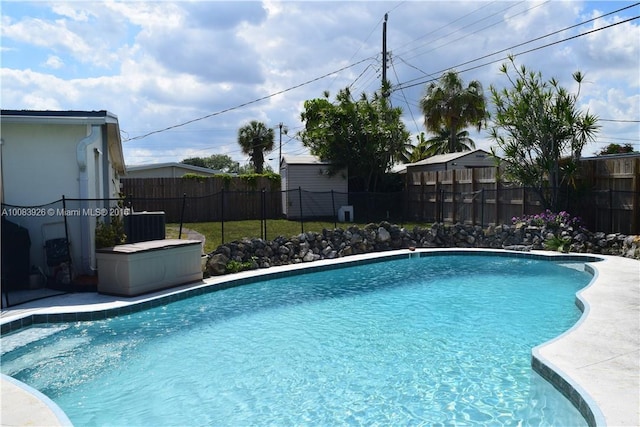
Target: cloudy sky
{"type": "Point", "coordinates": [182, 77]}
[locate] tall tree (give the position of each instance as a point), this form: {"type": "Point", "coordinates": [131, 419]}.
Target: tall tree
{"type": "Point", "coordinates": [221, 162]}
{"type": "Point", "coordinates": [366, 136]}
{"type": "Point", "coordinates": [439, 144]}
{"type": "Point", "coordinates": [614, 148]}
{"type": "Point", "coordinates": [536, 122]}
{"type": "Point", "coordinates": [447, 104]}
{"type": "Point", "coordinates": [255, 139]}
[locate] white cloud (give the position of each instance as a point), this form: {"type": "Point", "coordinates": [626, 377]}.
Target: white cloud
{"type": "Point", "coordinates": [54, 62]}
{"type": "Point", "coordinates": [159, 64]}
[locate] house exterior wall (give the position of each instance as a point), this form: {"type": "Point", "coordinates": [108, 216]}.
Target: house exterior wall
{"type": "Point", "coordinates": [40, 166]}
{"type": "Point", "coordinates": [316, 190]}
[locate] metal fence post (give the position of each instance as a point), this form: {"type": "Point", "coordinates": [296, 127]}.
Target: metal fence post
{"type": "Point", "coordinates": [482, 207]}
{"type": "Point", "coordinates": [610, 209]}
{"type": "Point", "coordinates": [222, 215]}
{"type": "Point", "coordinates": [263, 218]}
{"type": "Point", "coordinates": [333, 209]}
{"type": "Point", "coordinates": [300, 200]}
{"type": "Point", "coordinates": [184, 202]}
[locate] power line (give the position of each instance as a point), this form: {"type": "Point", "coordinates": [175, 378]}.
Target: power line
{"type": "Point", "coordinates": [247, 103]}
{"type": "Point", "coordinates": [527, 42]}
{"type": "Point", "coordinates": [405, 85]}
{"type": "Point", "coordinates": [619, 121]}
{"type": "Point", "coordinates": [469, 25]}
{"type": "Point", "coordinates": [393, 67]}
{"type": "Point", "coordinates": [446, 26]}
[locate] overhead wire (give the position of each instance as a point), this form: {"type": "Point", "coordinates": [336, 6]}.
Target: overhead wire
{"type": "Point", "coordinates": [534, 40]}
{"type": "Point", "coordinates": [405, 85]}
{"type": "Point", "coordinates": [478, 31]}
{"type": "Point", "coordinates": [393, 67]}
{"type": "Point", "coordinates": [469, 25]}
{"type": "Point", "coordinates": [442, 27]}
{"type": "Point", "coordinates": [226, 110]}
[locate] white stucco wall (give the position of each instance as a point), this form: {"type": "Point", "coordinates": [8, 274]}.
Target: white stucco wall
{"type": "Point", "coordinates": [39, 166]}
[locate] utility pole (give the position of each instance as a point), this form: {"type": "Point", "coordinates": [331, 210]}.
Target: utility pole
{"type": "Point", "coordinates": [384, 53]}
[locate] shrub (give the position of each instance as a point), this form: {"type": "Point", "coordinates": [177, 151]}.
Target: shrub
{"type": "Point", "coordinates": [234, 266]}
{"type": "Point", "coordinates": [549, 219]}
{"type": "Point", "coordinates": [556, 243]}
{"type": "Point", "coordinates": [111, 234]}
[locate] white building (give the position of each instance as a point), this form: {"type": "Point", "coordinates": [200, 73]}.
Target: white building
{"type": "Point", "coordinates": [307, 184]}
{"type": "Point", "coordinates": [46, 156]}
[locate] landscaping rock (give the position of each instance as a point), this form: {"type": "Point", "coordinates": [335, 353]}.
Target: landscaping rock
{"type": "Point", "coordinates": [217, 263]}
{"type": "Point", "coordinates": [330, 244]}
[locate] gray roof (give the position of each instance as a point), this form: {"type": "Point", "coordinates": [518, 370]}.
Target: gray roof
{"type": "Point", "coordinates": [172, 164]}
{"type": "Point", "coordinates": [302, 160]}
{"type": "Point", "coordinates": [445, 158]}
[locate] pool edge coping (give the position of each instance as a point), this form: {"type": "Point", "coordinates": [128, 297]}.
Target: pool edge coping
{"type": "Point", "coordinates": [55, 410]}
{"type": "Point", "coordinates": [574, 392]}
{"type": "Point", "coordinates": [557, 377]}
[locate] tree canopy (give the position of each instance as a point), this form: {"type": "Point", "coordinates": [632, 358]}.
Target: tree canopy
{"type": "Point", "coordinates": [366, 136]}
{"type": "Point", "coordinates": [535, 123]}
{"type": "Point", "coordinates": [448, 106]}
{"type": "Point", "coordinates": [440, 144]}
{"type": "Point", "coordinates": [614, 148]}
{"type": "Point", "coordinates": [220, 162]}
{"type": "Point", "coordinates": [255, 139]}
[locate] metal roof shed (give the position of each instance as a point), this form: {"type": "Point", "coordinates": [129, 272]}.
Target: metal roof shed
{"type": "Point", "coordinates": [308, 190]}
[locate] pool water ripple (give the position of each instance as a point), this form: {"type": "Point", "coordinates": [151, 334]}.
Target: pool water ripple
{"type": "Point", "coordinates": [434, 340]}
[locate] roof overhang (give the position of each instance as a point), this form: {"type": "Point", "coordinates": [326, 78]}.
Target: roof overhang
{"type": "Point", "coordinates": [91, 118]}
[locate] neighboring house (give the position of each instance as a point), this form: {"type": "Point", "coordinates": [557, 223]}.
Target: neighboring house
{"type": "Point", "coordinates": [463, 160]}
{"type": "Point", "coordinates": [46, 155]}
{"type": "Point", "coordinates": [306, 183]}
{"type": "Point", "coordinates": [167, 170]}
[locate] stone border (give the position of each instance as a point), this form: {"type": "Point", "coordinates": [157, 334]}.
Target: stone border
{"type": "Point", "coordinates": [337, 243]}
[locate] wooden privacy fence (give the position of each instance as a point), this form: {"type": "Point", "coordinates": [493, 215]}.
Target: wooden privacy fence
{"type": "Point", "coordinates": [204, 199]}
{"type": "Point", "coordinates": [606, 196]}
{"type": "Point", "coordinates": [469, 196]}
{"type": "Point", "coordinates": [613, 204]}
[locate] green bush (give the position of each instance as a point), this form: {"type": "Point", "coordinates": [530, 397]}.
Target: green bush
{"type": "Point", "coordinates": [556, 243]}
{"type": "Point", "coordinates": [112, 234]}
{"type": "Point", "coordinates": [237, 266]}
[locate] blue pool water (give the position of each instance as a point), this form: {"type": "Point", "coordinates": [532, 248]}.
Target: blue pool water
{"type": "Point", "coordinates": [439, 340]}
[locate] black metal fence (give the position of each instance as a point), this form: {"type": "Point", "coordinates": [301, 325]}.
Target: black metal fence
{"type": "Point", "coordinates": [609, 211]}
{"type": "Point", "coordinates": [37, 241]}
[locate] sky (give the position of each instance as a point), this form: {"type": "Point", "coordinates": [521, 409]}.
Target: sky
{"type": "Point", "coordinates": [184, 76]}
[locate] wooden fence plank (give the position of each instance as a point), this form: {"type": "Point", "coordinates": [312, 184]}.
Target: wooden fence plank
{"type": "Point", "coordinates": [607, 197]}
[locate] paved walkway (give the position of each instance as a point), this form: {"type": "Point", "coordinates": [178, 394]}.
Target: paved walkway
{"type": "Point", "coordinates": [600, 356]}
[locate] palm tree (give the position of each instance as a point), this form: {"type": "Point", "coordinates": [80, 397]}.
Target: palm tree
{"type": "Point", "coordinates": [255, 139]}
{"type": "Point", "coordinates": [440, 144]}
{"type": "Point", "coordinates": [448, 104]}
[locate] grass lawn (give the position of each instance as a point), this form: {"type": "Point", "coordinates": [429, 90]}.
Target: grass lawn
{"type": "Point", "coordinates": [236, 230]}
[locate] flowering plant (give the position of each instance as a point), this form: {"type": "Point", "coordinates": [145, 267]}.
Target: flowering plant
{"type": "Point", "coordinates": [549, 219]}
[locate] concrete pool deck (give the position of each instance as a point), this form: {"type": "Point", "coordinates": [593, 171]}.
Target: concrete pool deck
{"type": "Point", "coordinates": [599, 356]}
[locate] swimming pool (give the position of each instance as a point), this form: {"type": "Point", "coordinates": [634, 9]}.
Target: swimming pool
{"type": "Point", "coordinates": [430, 340]}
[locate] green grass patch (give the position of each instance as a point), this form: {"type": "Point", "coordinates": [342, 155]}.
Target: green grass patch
{"type": "Point", "coordinates": [237, 230]}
